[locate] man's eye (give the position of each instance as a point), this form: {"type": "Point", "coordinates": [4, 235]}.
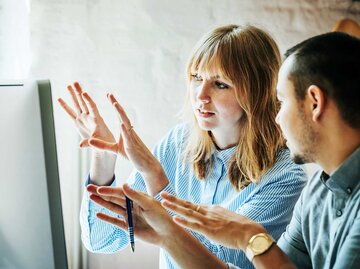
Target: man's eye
{"type": "Point", "coordinates": [221, 85]}
{"type": "Point", "coordinates": [196, 77]}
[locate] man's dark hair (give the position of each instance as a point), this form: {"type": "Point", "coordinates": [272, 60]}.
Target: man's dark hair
{"type": "Point", "coordinates": [330, 61]}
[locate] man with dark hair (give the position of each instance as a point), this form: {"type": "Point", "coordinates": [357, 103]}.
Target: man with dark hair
{"type": "Point", "coordinates": [319, 88]}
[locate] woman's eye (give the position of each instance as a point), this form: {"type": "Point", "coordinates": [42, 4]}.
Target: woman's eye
{"type": "Point", "coordinates": [196, 77]}
{"type": "Point", "coordinates": [221, 85]}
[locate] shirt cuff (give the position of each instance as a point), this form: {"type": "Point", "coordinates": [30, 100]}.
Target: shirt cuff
{"type": "Point", "coordinates": [113, 181]}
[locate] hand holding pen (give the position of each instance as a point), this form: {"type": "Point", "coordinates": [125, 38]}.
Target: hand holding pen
{"type": "Point", "coordinates": [115, 200]}
{"type": "Point", "coordinates": [152, 222]}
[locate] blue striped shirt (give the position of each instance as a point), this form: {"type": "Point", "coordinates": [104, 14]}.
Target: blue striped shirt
{"type": "Point", "coordinates": [269, 203]}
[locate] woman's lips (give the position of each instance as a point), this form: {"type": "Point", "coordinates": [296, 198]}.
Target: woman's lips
{"type": "Point", "coordinates": [205, 114]}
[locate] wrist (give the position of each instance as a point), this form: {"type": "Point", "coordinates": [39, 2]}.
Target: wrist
{"type": "Point", "coordinates": [156, 179]}
{"type": "Point", "coordinates": [102, 167]}
{"type": "Point", "coordinates": [249, 230]}
{"type": "Point", "coordinates": [170, 236]}
{"type": "Point", "coordinates": [156, 171]}
{"type": "Point", "coordinates": [258, 245]}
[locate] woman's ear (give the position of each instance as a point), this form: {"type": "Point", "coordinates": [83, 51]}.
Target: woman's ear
{"type": "Point", "coordinates": [316, 100]}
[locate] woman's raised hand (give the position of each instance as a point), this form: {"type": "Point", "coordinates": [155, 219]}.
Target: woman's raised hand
{"type": "Point", "coordinates": [131, 147]}
{"type": "Point", "coordinates": [90, 124]}
{"type": "Point", "coordinates": [86, 116]}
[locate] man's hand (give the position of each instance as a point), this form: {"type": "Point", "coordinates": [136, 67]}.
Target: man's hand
{"type": "Point", "coordinates": [215, 222]}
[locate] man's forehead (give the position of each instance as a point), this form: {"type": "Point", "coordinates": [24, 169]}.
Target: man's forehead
{"type": "Point", "coordinates": [283, 78]}
{"type": "Point", "coordinates": [286, 67]}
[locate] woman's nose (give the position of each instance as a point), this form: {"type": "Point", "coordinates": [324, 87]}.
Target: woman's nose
{"type": "Point", "coordinates": [204, 92]}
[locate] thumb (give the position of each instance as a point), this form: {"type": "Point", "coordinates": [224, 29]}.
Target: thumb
{"type": "Point", "coordinates": [138, 197]}
{"type": "Point", "coordinates": [103, 145]}
{"type": "Point", "coordinates": [84, 143]}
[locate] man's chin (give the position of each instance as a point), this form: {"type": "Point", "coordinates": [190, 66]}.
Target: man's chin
{"type": "Point", "coordinates": [299, 159]}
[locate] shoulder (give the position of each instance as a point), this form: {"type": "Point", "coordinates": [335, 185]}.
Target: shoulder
{"type": "Point", "coordinates": [173, 142]}
{"type": "Point", "coordinates": [180, 130]}
{"type": "Point", "coordinates": [314, 187]}
{"type": "Point", "coordinates": [283, 158]}
{"type": "Point", "coordinates": [177, 135]}
{"type": "Point", "coordinates": [285, 169]}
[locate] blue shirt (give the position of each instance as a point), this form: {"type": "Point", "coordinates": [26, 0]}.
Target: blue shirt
{"type": "Point", "coordinates": [325, 229]}
{"type": "Point", "coordinates": [269, 203]}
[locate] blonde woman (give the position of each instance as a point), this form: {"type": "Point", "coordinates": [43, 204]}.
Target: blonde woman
{"type": "Point", "coordinates": [232, 154]}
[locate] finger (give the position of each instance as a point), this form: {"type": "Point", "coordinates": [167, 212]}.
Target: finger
{"type": "Point", "coordinates": [187, 213]}
{"type": "Point", "coordinates": [74, 98]}
{"type": "Point", "coordinates": [80, 98]}
{"type": "Point", "coordinates": [113, 220]}
{"type": "Point", "coordinates": [111, 191]}
{"type": "Point", "coordinates": [103, 145]}
{"type": "Point", "coordinates": [84, 143]}
{"type": "Point", "coordinates": [108, 205]}
{"type": "Point", "coordinates": [92, 188]}
{"type": "Point", "coordinates": [93, 108]}
{"type": "Point", "coordinates": [67, 109]}
{"type": "Point", "coordinates": [138, 197]}
{"type": "Point", "coordinates": [189, 224]}
{"type": "Point", "coordinates": [101, 191]}
{"type": "Point", "coordinates": [114, 197]}
{"type": "Point", "coordinates": [124, 118]}
{"type": "Point", "coordinates": [121, 148]}
{"type": "Point", "coordinates": [180, 202]}
{"type": "Point", "coordinates": [127, 133]}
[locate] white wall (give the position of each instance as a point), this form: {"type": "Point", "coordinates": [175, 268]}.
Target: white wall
{"type": "Point", "coordinates": [138, 50]}
{"type": "Point", "coordinates": [14, 39]}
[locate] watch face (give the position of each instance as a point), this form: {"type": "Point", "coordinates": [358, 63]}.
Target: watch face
{"type": "Point", "coordinates": [260, 243]}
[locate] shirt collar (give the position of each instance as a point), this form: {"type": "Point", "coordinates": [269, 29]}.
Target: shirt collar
{"type": "Point", "coordinates": [225, 154]}
{"type": "Point", "coordinates": [347, 177]}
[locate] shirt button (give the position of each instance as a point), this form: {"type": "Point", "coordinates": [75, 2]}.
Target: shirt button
{"type": "Point", "coordinates": [349, 190]}
{"type": "Point", "coordinates": [338, 213]}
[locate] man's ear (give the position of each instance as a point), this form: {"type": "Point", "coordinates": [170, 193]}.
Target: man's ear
{"type": "Point", "coordinates": [316, 99]}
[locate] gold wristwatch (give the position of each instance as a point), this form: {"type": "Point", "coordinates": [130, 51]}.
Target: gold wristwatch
{"type": "Point", "coordinates": [258, 244]}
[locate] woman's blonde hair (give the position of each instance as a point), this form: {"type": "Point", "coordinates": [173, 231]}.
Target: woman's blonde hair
{"type": "Point", "coordinates": [250, 59]}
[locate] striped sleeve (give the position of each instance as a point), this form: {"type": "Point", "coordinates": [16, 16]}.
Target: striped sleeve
{"type": "Point", "coordinates": [96, 235]}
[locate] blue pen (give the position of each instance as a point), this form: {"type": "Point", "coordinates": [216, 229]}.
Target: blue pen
{"type": "Point", "coordinates": [130, 222]}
